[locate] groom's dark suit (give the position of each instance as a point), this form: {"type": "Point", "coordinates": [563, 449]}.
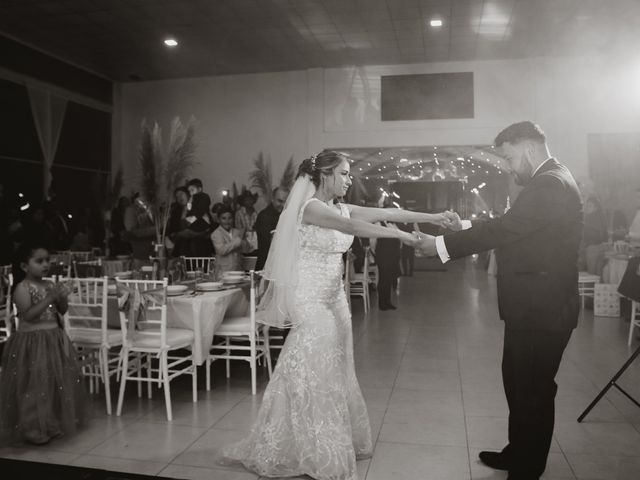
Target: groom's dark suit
{"type": "Point", "coordinates": [536, 246]}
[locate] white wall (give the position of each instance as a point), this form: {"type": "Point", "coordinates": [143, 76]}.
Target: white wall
{"type": "Point", "coordinates": [299, 113]}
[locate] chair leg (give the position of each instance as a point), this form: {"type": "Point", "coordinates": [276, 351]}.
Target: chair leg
{"type": "Point", "coordinates": [228, 361]}
{"type": "Point", "coordinates": [252, 362]}
{"type": "Point", "coordinates": [207, 367]}
{"type": "Point", "coordinates": [139, 363]}
{"type": "Point", "coordinates": [104, 369]}
{"type": "Point", "coordinates": [149, 376]}
{"type": "Point", "coordinates": [632, 323]}
{"type": "Point", "coordinates": [194, 377]}
{"type": "Point", "coordinates": [165, 384]}
{"type": "Point", "coordinates": [123, 379]}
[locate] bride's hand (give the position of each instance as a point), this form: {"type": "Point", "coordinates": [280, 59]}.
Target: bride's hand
{"type": "Point", "coordinates": [411, 239]}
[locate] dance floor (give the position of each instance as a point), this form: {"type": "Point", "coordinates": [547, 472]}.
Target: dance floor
{"type": "Point", "coordinates": [430, 373]}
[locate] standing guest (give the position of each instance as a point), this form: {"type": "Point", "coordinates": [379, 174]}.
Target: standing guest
{"type": "Point", "coordinates": [246, 220]}
{"type": "Point", "coordinates": [199, 221]}
{"type": "Point", "coordinates": [140, 232]}
{"type": "Point", "coordinates": [228, 242]}
{"type": "Point", "coordinates": [199, 204]}
{"type": "Point", "coordinates": [177, 221]}
{"type": "Point", "coordinates": [117, 244]}
{"type": "Point", "coordinates": [41, 393]}
{"type": "Point", "coordinates": [536, 244]}
{"type": "Point", "coordinates": [266, 223]}
{"type": "Point", "coordinates": [408, 253]}
{"type": "Point", "coordinates": [387, 252]}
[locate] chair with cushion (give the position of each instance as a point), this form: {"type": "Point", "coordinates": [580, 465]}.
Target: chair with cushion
{"type": "Point", "coordinates": [143, 320]}
{"type": "Point", "coordinates": [242, 338]}
{"type": "Point", "coordinates": [86, 325]}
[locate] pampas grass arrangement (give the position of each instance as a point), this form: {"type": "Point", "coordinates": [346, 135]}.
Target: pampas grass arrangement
{"type": "Point", "coordinates": [262, 180]}
{"type": "Point", "coordinates": [161, 172]}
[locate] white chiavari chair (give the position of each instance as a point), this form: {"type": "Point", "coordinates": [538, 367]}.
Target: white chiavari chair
{"type": "Point", "coordinates": [242, 338]}
{"type": "Point", "coordinates": [359, 282]}
{"type": "Point", "coordinates": [152, 337]}
{"type": "Point", "coordinates": [7, 310]}
{"type": "Point", "coordinates": [87, 269]}
{"type": "Point", "coordinates": [192, 264]}
{"type": "Point", "coordinates": [86, 325]}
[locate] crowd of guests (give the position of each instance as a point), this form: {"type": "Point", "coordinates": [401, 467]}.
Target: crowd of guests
{"type": "Point", "coordinates": [227, 230]}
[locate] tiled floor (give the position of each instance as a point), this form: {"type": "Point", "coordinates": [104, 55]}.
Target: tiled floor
{"type": "Point", "coordinates": [430, 373]}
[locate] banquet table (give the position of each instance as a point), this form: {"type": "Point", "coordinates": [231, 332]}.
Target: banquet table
{"type": "Point", "coordinates": [202, 313]}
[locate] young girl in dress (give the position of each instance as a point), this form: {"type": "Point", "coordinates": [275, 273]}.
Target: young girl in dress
{"type": "Point", "coordinates": [41, 394]}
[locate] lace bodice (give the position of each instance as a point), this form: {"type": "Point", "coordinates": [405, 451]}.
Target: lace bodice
{"type": "Point", "coordinates": [320, 262]}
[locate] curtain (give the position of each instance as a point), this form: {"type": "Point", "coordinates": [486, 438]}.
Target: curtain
{"type": "Point", "coordinates": [48, 116]}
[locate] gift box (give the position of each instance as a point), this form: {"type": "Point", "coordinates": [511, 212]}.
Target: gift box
{"type": "Point", "coordinates": [606, 301]}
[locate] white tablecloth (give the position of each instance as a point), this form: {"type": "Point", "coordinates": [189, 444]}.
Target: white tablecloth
{"type": "Point", "coordinates": [203, 314]}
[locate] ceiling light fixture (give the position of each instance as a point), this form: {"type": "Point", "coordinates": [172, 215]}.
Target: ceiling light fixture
{"type": "Point", "coordinates": [435, 23]}
{"type": "Point", "coordinates": [171, 42]}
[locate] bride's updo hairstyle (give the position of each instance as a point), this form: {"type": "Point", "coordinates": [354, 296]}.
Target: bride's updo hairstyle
{"type": "Point", "coordinates": [318, 165]}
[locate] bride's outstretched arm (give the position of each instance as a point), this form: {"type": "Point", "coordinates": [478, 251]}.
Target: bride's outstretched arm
{"type": "Point", "coordinates": [397, 215]}
{"type": "Point", "coordinates": [317, 213]}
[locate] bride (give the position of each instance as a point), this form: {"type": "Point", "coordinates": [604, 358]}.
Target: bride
{"type": "Point", "coordinates": [313, 419]}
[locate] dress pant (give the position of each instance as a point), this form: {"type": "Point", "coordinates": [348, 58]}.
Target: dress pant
{"type": "Point", "coordinates": [387, 277]}
{"type": "Point", "coordinates": [530, 362]}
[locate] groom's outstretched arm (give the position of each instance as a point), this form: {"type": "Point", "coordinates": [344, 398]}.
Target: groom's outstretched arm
{"type": "Point", "coordinates": [538, 206]}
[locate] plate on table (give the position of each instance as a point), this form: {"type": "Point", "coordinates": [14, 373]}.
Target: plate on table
{"type": "Point", "coordinates": [123, 274]}
{"type": "Point", "coordinates": [173, 290]}
{"type": "Point", "coordinates": [209, 286]}
{"type": "Point", "coordinates": [233, 280]}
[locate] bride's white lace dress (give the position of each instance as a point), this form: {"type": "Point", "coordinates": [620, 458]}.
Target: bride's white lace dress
{"type": "Point", "coordinates": [313, 419]}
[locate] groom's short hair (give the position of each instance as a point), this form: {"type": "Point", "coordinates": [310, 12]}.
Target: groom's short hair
{"type": "Point", "coordinates": [520, 131]}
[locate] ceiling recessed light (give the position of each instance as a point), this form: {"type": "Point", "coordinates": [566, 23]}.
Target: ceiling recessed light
{"type": "Point", "coordinates": [171, 42]}
{"type": "Point", "coordinates": [436, 23]}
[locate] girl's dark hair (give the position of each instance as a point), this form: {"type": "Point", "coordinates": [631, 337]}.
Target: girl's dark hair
{"type": "Point", "coordinates": [323, 164]}
{"type": "Point", "coordinates": [225, 209]}
{"type": "Point", "coordinates": [22, 255]}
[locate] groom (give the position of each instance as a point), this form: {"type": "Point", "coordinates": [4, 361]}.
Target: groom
{"type": "Point", "coordinates": [536, 244]}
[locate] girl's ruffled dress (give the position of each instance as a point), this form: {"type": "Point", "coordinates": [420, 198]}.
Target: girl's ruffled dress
{"type": "Point", "coordinates": [41, 390]}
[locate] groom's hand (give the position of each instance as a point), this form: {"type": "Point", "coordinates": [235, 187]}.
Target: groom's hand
{"type": "Point", "coordinates": [453, 221]}
{"type": "Point", "coordinates": [426, 244]}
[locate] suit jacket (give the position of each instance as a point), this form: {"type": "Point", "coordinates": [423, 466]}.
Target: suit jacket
{"type": "Point", "coordinates": [266, 222]}
{"type": "Point", "coordinates": [536, 244]}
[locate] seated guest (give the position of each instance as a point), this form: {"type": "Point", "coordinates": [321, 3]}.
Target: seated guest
{"type": "Point", "coordinates": [228, 242]}
{"type": "Point", "coordinates": [266, 223]}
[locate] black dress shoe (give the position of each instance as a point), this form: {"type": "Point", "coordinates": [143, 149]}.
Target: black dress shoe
{"type": "Point", "coordinates": [495, 460]}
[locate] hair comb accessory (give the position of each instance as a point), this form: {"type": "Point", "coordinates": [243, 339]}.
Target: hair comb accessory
{"type": "Point", "coordinates": [313, 161]}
